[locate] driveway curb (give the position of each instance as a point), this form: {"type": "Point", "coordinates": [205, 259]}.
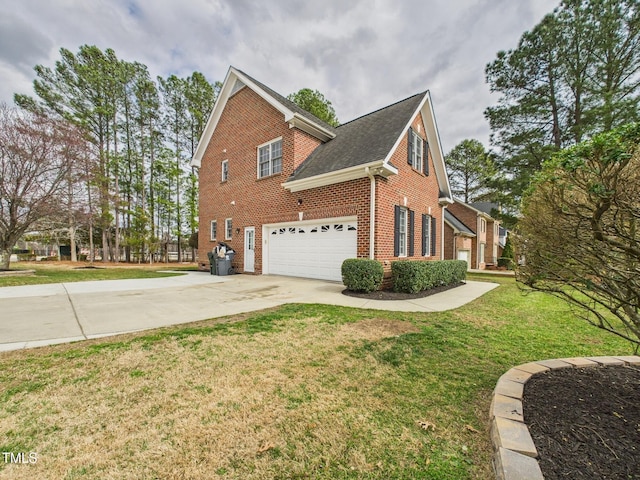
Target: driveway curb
{"type": "Point", "coordinates": [514, 454]}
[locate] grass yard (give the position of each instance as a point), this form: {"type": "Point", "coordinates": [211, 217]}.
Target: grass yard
{"type": "Point", "coordinates": [58, 272]}
{"type": "Point", "coordinates": [297, 392]}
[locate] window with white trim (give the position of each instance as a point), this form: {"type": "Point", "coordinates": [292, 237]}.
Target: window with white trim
{"type": "Point", "coordinates": [426, 235]}
{"type": "Point", "coordinates": [225, 171]}
{"type": "Point", "coordinates": [402, 232]}
{"type": "Point", "coordinates": [214, 229]}
{"type": "Point", "coordinates": [416, 151]}
{"type": "Point", "coordinates": [228, 229]}
{"type": "Point", "coordinates": [270, 158]}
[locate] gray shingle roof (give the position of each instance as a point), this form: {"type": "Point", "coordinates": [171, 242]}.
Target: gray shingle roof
{"type": "Point", "coordinates": [290, 105]}
{"type": "Point", "coordinates": [452, 220]}
{"type": "Point", "coordinates": [360, 141]}
{"type": "Point", "coordinates": [485, 207]}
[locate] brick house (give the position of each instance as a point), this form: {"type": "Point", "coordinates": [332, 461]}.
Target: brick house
{"type": "Point", "coordinates": [472, 234]}
{"type": "Point", "coordinates": [295, 196]}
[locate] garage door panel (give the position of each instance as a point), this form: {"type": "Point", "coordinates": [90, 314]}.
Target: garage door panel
{"type": "Point", "coordinates": [312, 250]}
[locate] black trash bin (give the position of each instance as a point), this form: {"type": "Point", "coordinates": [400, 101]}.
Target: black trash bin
{"type": "Point", "coordinates": [212, 263]}
{"type": "Point", "coordinates": [223, 266]}
{"type": "Point", "coordinates": [223, 255]}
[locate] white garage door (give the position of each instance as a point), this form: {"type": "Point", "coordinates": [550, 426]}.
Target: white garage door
{"type": "Point", "coordinates": [312, 250]}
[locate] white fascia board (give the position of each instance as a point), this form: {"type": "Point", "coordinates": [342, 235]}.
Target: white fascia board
{"type": "Point", "coordinates": [214, 117]}
{"type": "Point", "coordinates": [379, 167]}
{"type": "Point", "coordinates": [225, 93]}
{"type": "Point", "coordinates": [457, 231]}
{"type": "Point", "coordinates": [298, 121]}
{"type": "Point", "coordinates": [291, 117]}
{"type": "Point", "coordinates": [433, 137]}
{"type": "Point", "coordinates": [404, 131]}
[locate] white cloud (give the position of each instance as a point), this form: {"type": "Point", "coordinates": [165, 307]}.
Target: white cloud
{"type": "Point", "coordinates": [361, 54]}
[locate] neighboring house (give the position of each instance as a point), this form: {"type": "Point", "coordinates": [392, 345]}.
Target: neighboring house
{"type": "Point", "coordinates": [459, 239]}
{"type": "Point", "coordinates": [295, 196]}
{"type": "Point", "coordinates": [472, 234]}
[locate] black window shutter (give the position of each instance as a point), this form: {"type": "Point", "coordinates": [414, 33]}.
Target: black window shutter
{"type": "Point", "coordinates": [410, 146]}
{"type": "Point", "coordinates": [411, 232]}
{"type": "Point", "coordinates": [425, 225]}
{"type": "Point", "coordinates": [396, 232]}
{"type": "Point", "coordinates": [433, 236]}
{"type": "Point", "coordinates": [425, 156]}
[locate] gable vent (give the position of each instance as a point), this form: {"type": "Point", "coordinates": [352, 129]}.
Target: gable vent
{"type": "Point", "coordinates": [237, 86]}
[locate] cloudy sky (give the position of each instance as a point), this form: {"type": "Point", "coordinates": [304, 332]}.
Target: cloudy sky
{"type": "Point", "coordinates": [361, 54]}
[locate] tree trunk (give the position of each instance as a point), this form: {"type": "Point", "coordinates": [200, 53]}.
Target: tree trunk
{"type": "Point", "coordinates": [72, 242]}
{"type": "Point", "coordinates": [5, 258]}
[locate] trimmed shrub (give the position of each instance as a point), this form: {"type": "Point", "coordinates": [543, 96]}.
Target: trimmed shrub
{"type": "Point", "coordinates": [362, 274]}
{"type": "Point", "coordinates": [415, 276]}
{"type": "Point", "coordinates": [505, 262]}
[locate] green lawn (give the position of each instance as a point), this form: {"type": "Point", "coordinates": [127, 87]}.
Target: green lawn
{"type": "Point", "coordinates": [301, 391]}
{"type": "Point", "coordinates": [54, 272]}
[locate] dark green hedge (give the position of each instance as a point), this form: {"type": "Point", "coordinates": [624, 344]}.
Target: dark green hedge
{"type": "Point", "coordinates": [416, 276]}
{"type": "Point", "coordinates": [362, 274]}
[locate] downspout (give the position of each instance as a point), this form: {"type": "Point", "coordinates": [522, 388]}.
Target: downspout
{"type": "Point", "coordinates": [442, 235]}
{"type": "Point", "coordinates": [372, 213]}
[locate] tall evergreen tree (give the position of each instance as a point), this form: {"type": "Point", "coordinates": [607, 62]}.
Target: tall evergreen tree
{"type": "Point", "coordinates": [471, 171]}
{"type": "Point", "coordinates": [575, 74]}
{"type": "Point", "coordinates": [140, 193]}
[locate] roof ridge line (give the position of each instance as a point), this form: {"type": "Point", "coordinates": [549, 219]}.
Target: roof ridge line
{"type": "Point", "coordinates": [381, 108]}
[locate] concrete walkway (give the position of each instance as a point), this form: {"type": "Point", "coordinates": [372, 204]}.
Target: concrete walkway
{"type": "Point", "coordinates": [37, 315]}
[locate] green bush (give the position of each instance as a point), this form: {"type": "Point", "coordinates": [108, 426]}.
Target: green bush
{"type": "Point", "coordinates": [505, 262]}
{"type": "Point", "coordinates": [362, 274]}
{"type": "Point", "coordinates": [415, 276]}
{"type": "Point", "coordinates": [508, 258]}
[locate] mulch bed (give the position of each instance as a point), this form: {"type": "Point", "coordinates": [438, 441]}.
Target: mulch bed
{"type": "Point", "coordinates": [585, 422]}
{"type": "Point", "coordinates": [391, 295]}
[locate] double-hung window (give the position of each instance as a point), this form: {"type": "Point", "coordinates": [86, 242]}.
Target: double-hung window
{"type": "Point", "coordinates": [225, 171]}
{"type": "Point", "coordinates": [270, 158]}
{"type": "Point", "coordinates": [426, 235]}
{"type": "Point", "coordinates": [228, 229]}
{"type": "Point", "coordinates": [214, 230]}
{"type": "Point", "coordinates": [417, 151]}
{"type": "Point", "coordinates": [402, 233]}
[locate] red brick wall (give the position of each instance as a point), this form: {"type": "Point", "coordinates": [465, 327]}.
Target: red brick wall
{"type": "Point", "coordinates": [247, 122]}
{"type": "Point", "coordinates": [421, 193]}
{"type": "Point", "coordinates": [453, 243]}
{"type": "Point", "coordinates": [470, 218]}
{"type": "Point", "coordinates": [449, 241]}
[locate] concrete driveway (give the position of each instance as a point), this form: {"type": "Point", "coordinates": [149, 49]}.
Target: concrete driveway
{"type": "Point", "coordinates": [37, 315]}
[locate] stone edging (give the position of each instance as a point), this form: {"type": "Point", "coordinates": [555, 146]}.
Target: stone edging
{"type": "Point", "coordinates": [514, 454]}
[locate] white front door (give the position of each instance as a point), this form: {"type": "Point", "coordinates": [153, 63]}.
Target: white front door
{"type": "Point", "coordinates": [249, 249]}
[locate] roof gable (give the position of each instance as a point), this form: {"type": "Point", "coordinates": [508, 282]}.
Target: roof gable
{"type": "Point", "coordinates": [366, 139]}
{"type": "Point", "coordinates": [457, 224]}
{"type": "Point", "coordinates": [366, 145]}
{"type": "Point", "coordinates": [482, 209]}
{"type": "Point", "coordinates": [293, 114]}
{"type": "Point", "coordinates": [356, 149]}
